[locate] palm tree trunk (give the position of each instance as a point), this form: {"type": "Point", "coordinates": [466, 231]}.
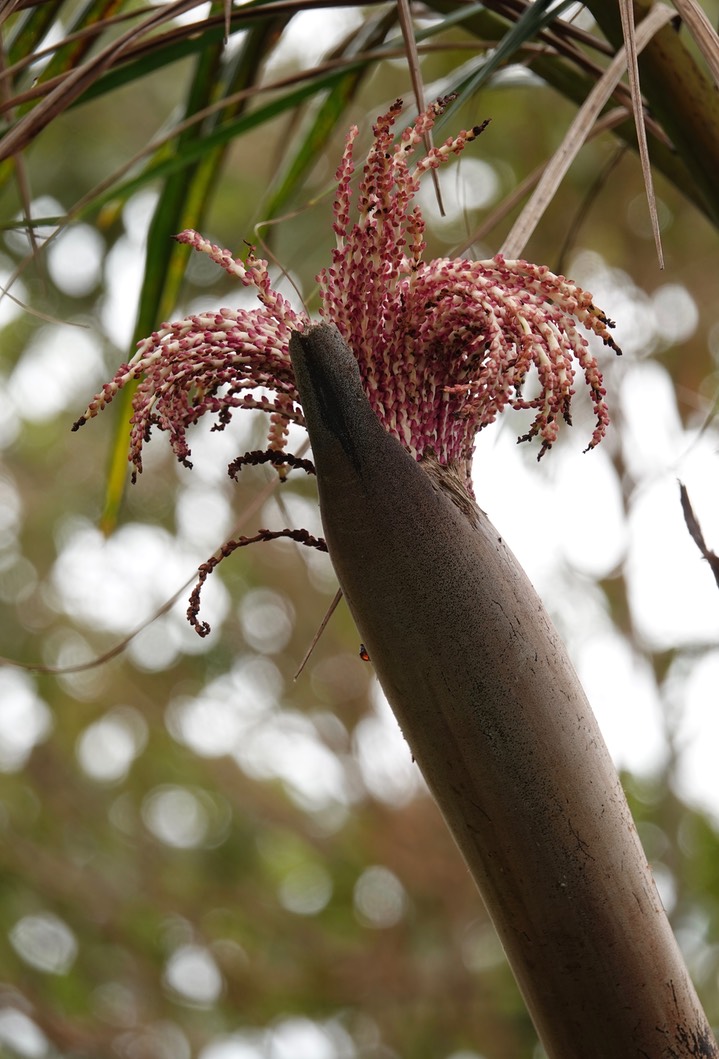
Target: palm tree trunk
{"type": "Point", "coordinates": [498, 723]}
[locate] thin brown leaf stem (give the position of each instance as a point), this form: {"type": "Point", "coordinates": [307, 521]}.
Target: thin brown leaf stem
{"type": "Point", "coordinates": [575, 136]}
{"type": "Point", "coordinates": [322, 626]}
{"type": "Point", "coordinates": [22, 178]}
{"type": "Point", "coordinates": [512, 10]}
{"type": "Point", "coordinates": [8, 8]}
{"type": "Point", "coordinates": [405, 21]}
{"type": "Point", "coordinates": [85, 34]}
{"type": "Point", "coordinates": [77, 81]}
{"type": "Point", "coordinates": [163, 39]}
{"type": "Point", "coordinates": [680, 96]}
{"type": "Point", "coordinates": [317, 72]}
{"type": "Point", "coordinates": [703, 32]}
{"type": "Point", "coordinates": [117, 649]}
{"type": "Point", "coordinates": [630, 46]}
{"type": "Point", "coordinates": [695, 532]}
{"type": "Point", "coordinates": [564, 76]}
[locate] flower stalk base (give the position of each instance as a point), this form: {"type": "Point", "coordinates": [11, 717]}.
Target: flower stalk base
{"type": "Point", "coordinates": [497, 721]}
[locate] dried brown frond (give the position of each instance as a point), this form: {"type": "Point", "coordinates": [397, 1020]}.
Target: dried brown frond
{"type": "Point", "coordinates": [576, 135]}
{"type": "Point", "coordinates": [626, 11]}
{"type": "Point", "coordinates": [704, 34]}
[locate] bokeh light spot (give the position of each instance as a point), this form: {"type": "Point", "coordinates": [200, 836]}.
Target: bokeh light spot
{"type": "Point", "coordinates": [267, 620]}
{"type": "Point", "coordinates": [193, 974]}
{"type": "Point", "coordinates": [107, 748]}
{"type": "Point", "coordinates": [45, 942]}
{"type": "Point", "coordinates": [21, 1034]}
{"type": "Point", "coordinates": [298, 1038]}
{"type": "Point", "coordinates": [379, 898]}
{"type": "Point", "coordinates": [24, 719]}
{"type": "Point", "coordinates": [75, 260]}
{"type": "Point", "coordinates": [305, 889]}
{"type": "Point", "coordinates": [176, 816]}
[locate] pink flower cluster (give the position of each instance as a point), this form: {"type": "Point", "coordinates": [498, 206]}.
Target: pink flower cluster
{"type": "Point", "coordinates": [443, 346]}
{"type": "Point", "coordinates": [212, 362]}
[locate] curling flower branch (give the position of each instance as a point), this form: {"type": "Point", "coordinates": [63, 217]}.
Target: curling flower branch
{"type": "Point", "coordinates": [212, 362]}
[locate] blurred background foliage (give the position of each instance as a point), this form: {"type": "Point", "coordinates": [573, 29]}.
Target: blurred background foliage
{"type": "Point", "coordinates": [199, 855]}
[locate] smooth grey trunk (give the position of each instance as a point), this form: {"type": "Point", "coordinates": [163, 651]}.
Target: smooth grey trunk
{"type": "Point", "coordinates": [498, 723]}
